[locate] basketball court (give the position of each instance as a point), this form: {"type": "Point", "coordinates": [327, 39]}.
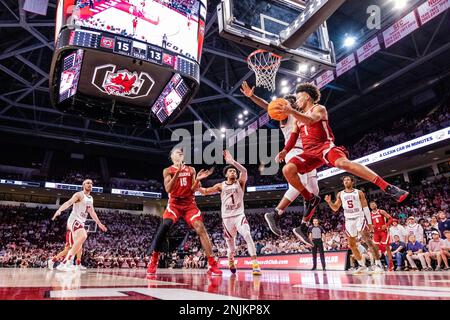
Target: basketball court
{"type": "Point", "coordinates": [178, 284]}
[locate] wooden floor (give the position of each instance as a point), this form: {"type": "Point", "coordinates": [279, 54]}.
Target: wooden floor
{"type": "Point", "coordinates": [36, 284]}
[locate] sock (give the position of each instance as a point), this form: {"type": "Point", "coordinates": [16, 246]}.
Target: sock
{"type": "Point", "coordinates": [78, 262]}
{"type": "Point", "coordinates": [380, 183]}
{"type": "Point", "coordinates": [306, 194]}
{"type": "Point", "coordinates": [211, 260]}
{"type": "Point", "coordinates": [279, 211]}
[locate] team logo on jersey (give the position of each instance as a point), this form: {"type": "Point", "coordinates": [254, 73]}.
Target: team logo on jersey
{"type": "Point", "coordinates": [122, 83]}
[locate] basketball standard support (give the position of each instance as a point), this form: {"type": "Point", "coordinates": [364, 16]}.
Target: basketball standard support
{"type": "Point", "coordinates": [316, 12]}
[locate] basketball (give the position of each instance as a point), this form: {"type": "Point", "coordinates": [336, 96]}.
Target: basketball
{"type": "Point", "coordinates": [274, 109]}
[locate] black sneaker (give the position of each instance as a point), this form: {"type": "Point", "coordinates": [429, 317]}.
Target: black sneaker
{"type": "Point", "coordinates": [273, 220]}
{"type": "Point", "coordinates": [300, 232]}
{"type": "Point", "coordinates": [311, 205]}
{"type": "Point", "coordinates": [397, 193]}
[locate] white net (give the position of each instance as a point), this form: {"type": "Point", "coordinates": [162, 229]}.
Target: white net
{"type": "Point", "coordinates": [265, 65]}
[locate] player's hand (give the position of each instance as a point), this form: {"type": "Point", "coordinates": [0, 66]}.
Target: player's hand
{"type": "Point", "coordinates": [383, 227]}
{"type": "Point", "coordinates": [328, 198]}
{"type": "Point", "coordinates": [202, 174]}
{"type": "Point", "coordinates": [371, 228]}
{"type": "Point", "coordinates": [286, 108]}
{"type": "Point", "coordinates": [57, 214]}
{"type": "Point", "coordinates": [280, 157]}
{"type": "Point", "coordinates": [102, 227]}
{"type": "Point", "coordinates": [246, 90]}
{"type": "Point", "coordinates": [228, 158]}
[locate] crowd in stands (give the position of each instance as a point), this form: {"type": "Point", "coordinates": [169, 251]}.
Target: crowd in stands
{"type": "Point", "coordinates": [405, 129]}
{"type": "Point", "coordinates": [28, 238]}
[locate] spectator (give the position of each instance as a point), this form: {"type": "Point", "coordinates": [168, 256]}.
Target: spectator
{"type": "Point", "coordinates": [415, 252]}
{"type": "Point", "coordinates": [413, 228]}
{"type": "Point", "coordinates": [444, 223]}
{"type": "Point", "coordinates": [428, 230]}
{"type": "Point", "coordinates": [398, 251]}
{"type": "Point", "coordinates": [436, 252]}
{"type": "Point", "coordinates": [397, 230]}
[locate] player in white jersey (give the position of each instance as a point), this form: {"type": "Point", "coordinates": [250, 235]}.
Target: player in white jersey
{"type": "Point", "coordinates": [233, 217]}
{"type": "Point", "coordinates": [309, 180]}
{"type": "Point", "coordinates": [83, 204]}
{"type": "Point", "coordinates": [358, 221]}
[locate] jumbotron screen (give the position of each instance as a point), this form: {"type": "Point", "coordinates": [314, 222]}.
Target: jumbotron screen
{"type": "Point", "coordinates": [176, 25]}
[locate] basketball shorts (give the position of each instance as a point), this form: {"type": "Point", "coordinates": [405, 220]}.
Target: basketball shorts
{"type": "Point", "coordinates": [327, 154]}
{"type": "Point", "coordinates": [74, 224]}
{"type": "Point", "coordinates": [233, 225]}
{"type": "Point", "coordinates": [354, 226]}
{"type": "Point", "coordinates": [189, 212]}
{"type": "Point", "coordinates": [381, 239]}
{"type": "Point", "coordinates": [309, 179]}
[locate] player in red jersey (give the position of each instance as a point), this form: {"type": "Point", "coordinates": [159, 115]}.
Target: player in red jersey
{"type": "Point", "coordinates": [319, 148]}
{"type": "Point", "coordinates": [180, 182]}
{"type": "Point", "coordinates": [381, 220]}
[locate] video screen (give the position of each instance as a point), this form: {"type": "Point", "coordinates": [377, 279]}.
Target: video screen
{"type": "Point", "coordinates": [171, 97]}
{"type": "Point", "coordinates": [171, 24]}
{"type": "Point", "coordinates": [70, 75]}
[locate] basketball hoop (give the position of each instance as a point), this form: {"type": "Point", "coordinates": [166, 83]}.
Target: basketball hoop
{"type": "Point", "coordinates": [265, 64]}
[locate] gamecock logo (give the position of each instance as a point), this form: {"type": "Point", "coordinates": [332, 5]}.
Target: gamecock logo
{"type": "Point", "coordinates": [122, 83]}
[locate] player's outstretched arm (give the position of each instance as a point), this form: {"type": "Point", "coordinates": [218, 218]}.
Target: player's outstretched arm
{"type": "Point", "coordinates": [202, 174]}
{"type": "Point", "coordinates": [211, 190]}
{"type": "Point", "coordinates": [336, 205]}
{"type": "Point", "coordinates": [75, 198]}
{"type": "Point", "coordinates": [389, 219]}
{"type": "Point", "coordinates": [94, 216]}
{"type": "Point", "coordinates": [250, 93]}
{"type": "Point", "coordinates": [242, 170]}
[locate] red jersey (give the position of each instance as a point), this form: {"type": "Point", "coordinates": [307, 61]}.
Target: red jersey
{"type": "Point", "coordinates": [315, 135]}
{"type": "Point", "coordinates": [182, 191]}
{"type": "Point", "coordinates": [378, 220]}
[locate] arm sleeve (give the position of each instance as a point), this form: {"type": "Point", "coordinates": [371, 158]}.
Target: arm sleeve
{"type": "Point", "coordinates": [291, 142]}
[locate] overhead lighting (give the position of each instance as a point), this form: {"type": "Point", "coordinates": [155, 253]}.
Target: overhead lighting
{"type": "Point", "coordinates": [246, 112]}
{"type": "Point", "coordinates": [240, 115]}
{"type": "Point", "coordinates": [435, 159]}
{"type": "Point", "coordinates": [393, 170]}
{"type": "Point", "coordinates": [223, 135]}
{"type": "Point", "coordinates": [223, 129]}
{"type": "Point", "coordinates": [299, 79]}
{"type": "Point", "coordinates": [284, 82]}
{"type": "Point", "coordinates": [313, 69]}
{"type": "Point", "coordinates": [285, 90]}
{"type": "Point", "coordinates": [241, 122]}
{"type": "Point", "coordinates": [400, 4]}
{"type": "Point", "coordinates": [349, 41]}
{"type": "Point", "coordinates": [431, 151]}
{"type": "Point", "coordinates": [274, 97]}
{"type": "Point", "coordinates": [302, 67]}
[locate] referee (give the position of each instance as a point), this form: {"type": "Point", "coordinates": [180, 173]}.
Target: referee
{"type": "Point", "coordinates": [317, 236]}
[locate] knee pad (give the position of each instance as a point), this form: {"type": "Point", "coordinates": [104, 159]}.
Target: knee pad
{"type": "Point", "coordinates": [291, 194]}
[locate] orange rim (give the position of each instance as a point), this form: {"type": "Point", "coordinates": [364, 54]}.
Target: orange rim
{"type": "Point", "coordinates": [276, 56]}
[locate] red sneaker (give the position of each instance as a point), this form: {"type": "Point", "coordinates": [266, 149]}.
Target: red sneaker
{"type": "Point", "coordinates": [153, 264]}
{"type": "Point", "coordinates": [213, 269]}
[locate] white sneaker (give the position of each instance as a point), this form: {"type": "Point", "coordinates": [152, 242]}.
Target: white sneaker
{"type": "Point", "coordinates": [377, 269]}
{"type": "Point", "coordinates": [361, 270]}
{"type": "Point", "coordinates": [82, 267]}
{"type": "Point", "coordinates": [50, 264]}
{"type": "Point", "coordinates": [68, 266]}
{"type": "Point", "coordinates": [79, 267]}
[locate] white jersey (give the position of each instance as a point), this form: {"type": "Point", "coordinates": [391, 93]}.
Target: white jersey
{"type": "Point", "coordinates": [79, 209]}
{"type": "Point", "coordinates": [351, 204]}
{"type": "Point", "coordinates": [416, 230]}
{"type": "Point", "coordinates": [232, 197]}
{"type": "Point", "coordinates": [287, 130]}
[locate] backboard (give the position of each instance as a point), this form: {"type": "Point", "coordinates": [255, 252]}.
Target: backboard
{"type": "Point", "coordinates": [261, 24]}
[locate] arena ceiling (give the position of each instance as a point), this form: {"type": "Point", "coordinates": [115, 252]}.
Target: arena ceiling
{"type": "Point", "coordinates": [390, 84]}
